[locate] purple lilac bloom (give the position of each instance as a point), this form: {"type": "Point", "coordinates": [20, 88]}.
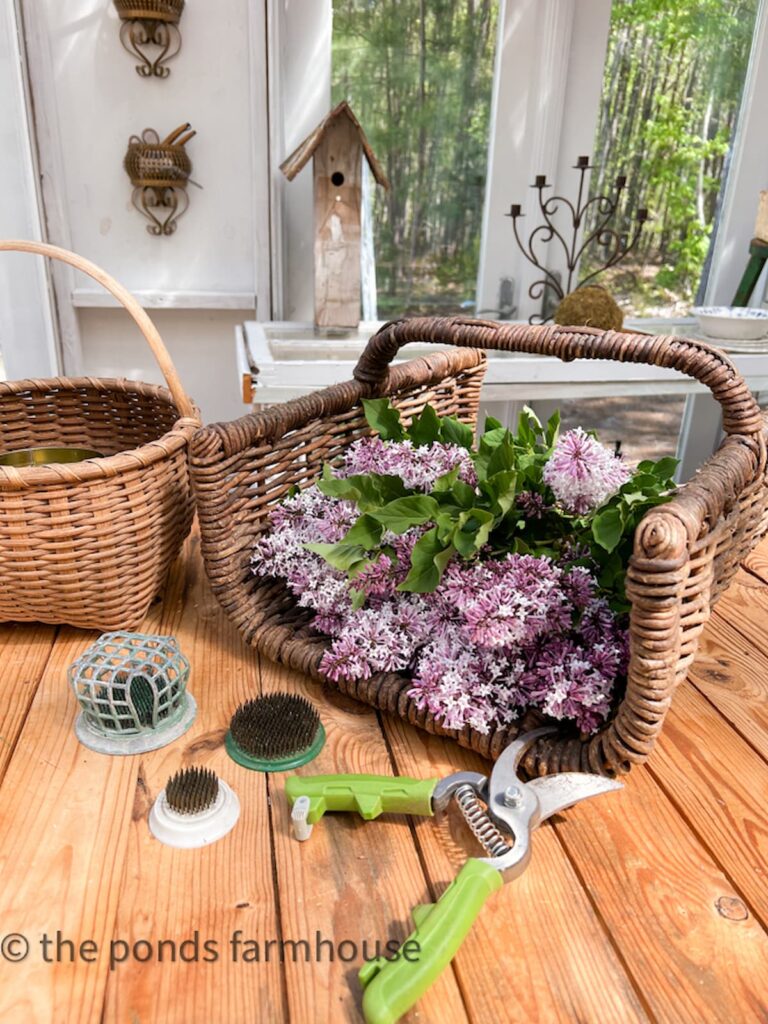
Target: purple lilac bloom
{"type": "Point", "coordinates": [497, 635]}
{"type": "Point", "coordinates": [582, 473]}
{"type": "Point", "coordinates": [565, 681]}
{"type": "Point", "coordinates": [417, 467]}
{"type": "Point", "coordinates": [531, 504]}
{"type": "Point", "coordinates": [580, 586]}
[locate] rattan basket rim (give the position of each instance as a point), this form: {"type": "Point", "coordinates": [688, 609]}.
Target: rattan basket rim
{"type": "Point", "coordinates": [24, 477]}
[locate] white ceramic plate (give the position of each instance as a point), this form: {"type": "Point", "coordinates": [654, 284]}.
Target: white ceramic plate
{"type": "Point", "coordinates": [734, 323]}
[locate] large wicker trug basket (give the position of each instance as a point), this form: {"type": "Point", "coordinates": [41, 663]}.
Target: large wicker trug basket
{"type": "Point", "coordinates": [685, 552]}
{"type": "Point", "coordinates": [90, 543]}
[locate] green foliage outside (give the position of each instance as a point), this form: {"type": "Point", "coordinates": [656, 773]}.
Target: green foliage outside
{"type": "Point", "coordinates": [674, 76]}
{"type": "Point", "coordinates": [418, 75]}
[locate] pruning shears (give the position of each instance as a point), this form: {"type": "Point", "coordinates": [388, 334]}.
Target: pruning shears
{"type": "Point", "coordinates": [502, 811]}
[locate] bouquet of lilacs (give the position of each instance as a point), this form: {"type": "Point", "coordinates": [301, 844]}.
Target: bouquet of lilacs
{"type": "Point", "coordinates": [492, 574]}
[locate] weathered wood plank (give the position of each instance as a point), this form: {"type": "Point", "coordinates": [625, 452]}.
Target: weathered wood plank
{"type": "Point", "coordinates": [745, 607]}
{"type": "Point", "coordinates": [757, 561]}
{"type": "Point", "coordinates": [212, 892]}
{"type": "Point", "coordinates": [537, 951]}
{"type": "Point", "coordinates": [713, 776]}
{"type": "Point", "coordinates": [64, 816]}
{"type": "Point", "coordinates": [24, 650]}
{"type": "Point", "coordinates": [63, 827]}
{"type": "Point", "coordinates": [658, 892]}
{"type": "Point", "coordinates": [352, 880]}
{"type": "Point", "coordinates": [733, 675]}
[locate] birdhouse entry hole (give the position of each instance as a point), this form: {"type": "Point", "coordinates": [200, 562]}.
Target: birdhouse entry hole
{"type": "Point", "coordinates": [337, 178]}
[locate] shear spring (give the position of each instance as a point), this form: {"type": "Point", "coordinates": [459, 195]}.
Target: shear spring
{"type": "Point", "coordinates": [483, 829]}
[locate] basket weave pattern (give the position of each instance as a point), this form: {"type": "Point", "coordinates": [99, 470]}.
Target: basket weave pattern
{"type": "Point", "coordinates": [157, 165]}
{"type": "Point", "coordinates": [158, 10]}
{"type": "Point", "coordinates": [90, 543]}
{"type": "Point", "coordinates": [685, 552]}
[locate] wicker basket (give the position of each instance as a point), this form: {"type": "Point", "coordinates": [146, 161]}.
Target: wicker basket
{"type": "Point", "coordinates": [90, 543]}
{"type": "Point", "coordinates": [151, 10]}
{"type": "Point", "coordinates": [685, 552]}
{"type": "Point", "coordinates": [157, 165]}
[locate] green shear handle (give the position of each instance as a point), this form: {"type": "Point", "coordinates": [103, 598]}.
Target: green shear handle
{"type": "Point", "coordinates": [369, 795]}
{"type": "Point", "coordinates": [393, 986]}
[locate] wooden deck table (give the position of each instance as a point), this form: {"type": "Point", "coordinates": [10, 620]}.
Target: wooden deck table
{"type": "Point", "coordinates": [649, 904]}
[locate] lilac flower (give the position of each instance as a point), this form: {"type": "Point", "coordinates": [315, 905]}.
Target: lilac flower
{"type": "Point", "coordinates": [565, 682]}
{"type": "Point", "coordinates": [417, 467]}
{"type": "Point", "coordinates": [499, 634]}
{"type": "Point", "coordinates": [531, 504]}
{"type": "Point", "coordinates": [579, 585]}
{"type": "Point", "coordinates": [582, 473]}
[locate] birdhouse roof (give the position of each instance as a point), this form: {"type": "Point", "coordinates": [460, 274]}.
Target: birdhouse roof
{"type": "Point", "coordinates": [294, 163]}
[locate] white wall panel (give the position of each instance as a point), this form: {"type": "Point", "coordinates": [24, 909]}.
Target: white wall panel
{"type": "Point", "coordinates": [100, 101]}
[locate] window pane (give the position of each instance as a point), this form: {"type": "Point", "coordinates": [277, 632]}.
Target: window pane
{"type": "Point", "coordinates": [418, 76]}
{"type": "Point", "coordinates": [674, 75]}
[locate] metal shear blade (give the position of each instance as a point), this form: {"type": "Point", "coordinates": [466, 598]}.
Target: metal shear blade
{"type": "Point", "coordinates": [518, 807]}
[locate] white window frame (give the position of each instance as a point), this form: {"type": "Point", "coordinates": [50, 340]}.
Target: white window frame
{"type": "Point", "coordinates": [28, 329]}
{"type": "Point", "coordinates": [550, 58]}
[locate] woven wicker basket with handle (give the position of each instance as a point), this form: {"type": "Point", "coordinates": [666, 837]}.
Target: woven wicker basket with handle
{"type": "Point", "coordinates": [90, 543]}
{"type": "Point", "coordinates": [685, 551]}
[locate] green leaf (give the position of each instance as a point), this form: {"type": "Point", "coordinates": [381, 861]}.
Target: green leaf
{"type": "Point", "coordinates": [344, 557]}
{"type": "Point", "coordinates": [473, 531]}
{"type": "Point", "coordinates": [501, 488]}
{"type": "Point", "coordinates": [502, 459]}
{"type": "Point", "coordinates": [607, 528]}
{"type": "Point", "coordinates": [464, 494]}
{"type": "Point", "coordinates": [452, 431]}
{"type": "Point", "coordinates": [425, 429]}
{"type": "Point", "coordinates": [366, 532]}
{"type": "Point", "coordinates": [447, 524]}
{"type": "Point", "coordinates": [334, 487]}
{"type": "Point", "coordinates": [665, 468]}
{"type": "Point", "coordinates": [495, 437]}
{"type": "Point", "coordinates": [446, 481]}
{"type": "Point", "coordinates": [383, 418]}
{"type": "Point", "coordinates": [367, 489]}
{"type": "Point", "coordinates": [552, 433]}
{"type": "Point", "coordinates": [491, 423]}
{"type": "Point", "coordinates": [428, 561]}
{"type": "Point", "coordinates": [529, 427]}
{"type": "Point", "coordinates": [403, 513]}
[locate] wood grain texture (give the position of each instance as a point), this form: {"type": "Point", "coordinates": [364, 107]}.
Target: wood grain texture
{"type": "Point", "coordinates": [733, 675]}
{"type": "Point", "coordinates": [525, 952]}
{"type": "Point", "coordinates": [211, 892]}
{"type": "Point", "coordinates": [712, 776]}
{"type": "Point", "coordinates": [658, 892]}
{"type": "Point", "coordinates": [757, 561]}
{"type": "Point", "coordinates": [24, 651]}
{"type": "Point", "coordinates": [745, 607]}
{"type": "Point", "coordinates": [337, 225]}
{"type": "Point", "coordinates": [64, 814]}
{"type": "Point", "coordinates": [352, 879]}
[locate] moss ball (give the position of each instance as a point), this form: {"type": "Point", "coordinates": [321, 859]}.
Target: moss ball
{"type": "Point", "coordinates": [591, 306]}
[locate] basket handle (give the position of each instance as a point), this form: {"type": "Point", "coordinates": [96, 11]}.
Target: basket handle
{"type": "Point", "coordinates": [741, 413]}
{"type": "Point", "coordinates": [181, 400]}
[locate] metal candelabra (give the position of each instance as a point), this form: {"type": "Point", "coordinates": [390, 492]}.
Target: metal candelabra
{"type": "Point", "coordinates": [604, 208]}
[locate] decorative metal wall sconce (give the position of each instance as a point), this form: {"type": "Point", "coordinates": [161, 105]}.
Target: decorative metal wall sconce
{"type": "Point", "coordinates": [159, 172]}
{"type": "Point", "coordinates": [151, 24]}
{"type": "Point", "coordinates": [603, 208]}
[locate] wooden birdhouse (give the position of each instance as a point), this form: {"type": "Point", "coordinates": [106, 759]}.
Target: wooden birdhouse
{"type": "Point", "coordinates": [337, 147]}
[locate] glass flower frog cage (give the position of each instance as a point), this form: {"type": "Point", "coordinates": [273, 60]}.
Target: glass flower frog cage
{"type": "Point", "coordinates": [132, 692]}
